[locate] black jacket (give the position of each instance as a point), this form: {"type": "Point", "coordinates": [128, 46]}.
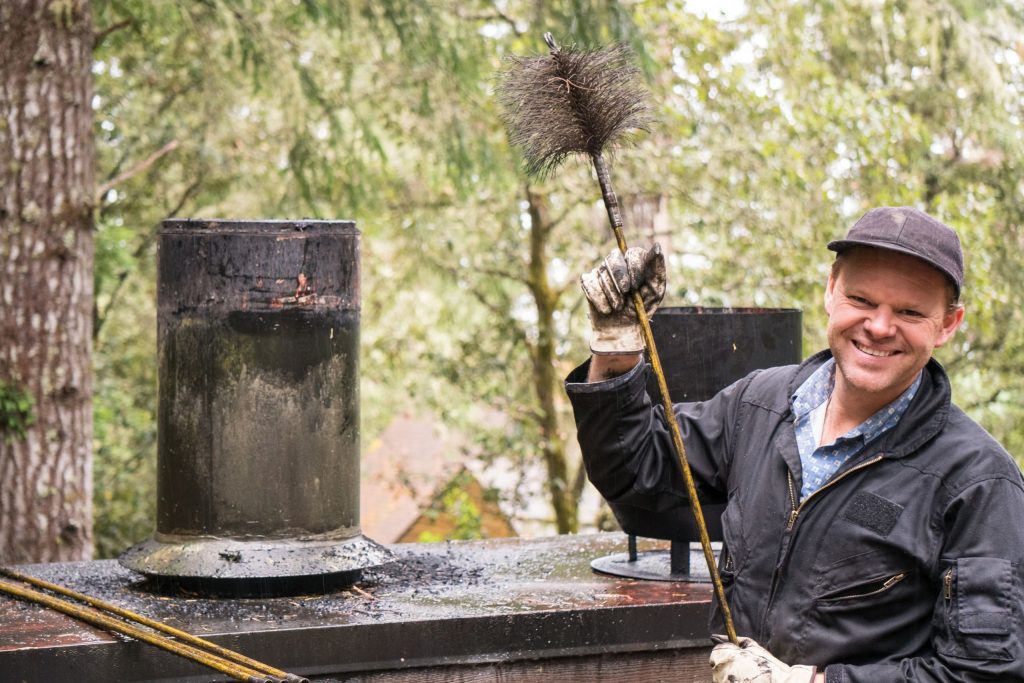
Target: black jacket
{"type": "Point", "coordinates": [906, 566]}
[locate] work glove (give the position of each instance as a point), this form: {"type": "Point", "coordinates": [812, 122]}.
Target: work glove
{"type": "Point", "coordinates": [748, 662]}
{"type": "Point", "coordinates": [609, 291]}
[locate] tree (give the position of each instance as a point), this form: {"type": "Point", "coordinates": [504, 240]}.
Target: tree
{"type": "Point", "coordinates": [46, 256]}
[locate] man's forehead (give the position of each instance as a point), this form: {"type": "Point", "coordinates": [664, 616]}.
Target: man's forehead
{"type": "Point", "coordinates": [917, 287]}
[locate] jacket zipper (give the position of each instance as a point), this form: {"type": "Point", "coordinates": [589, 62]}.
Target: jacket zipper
{"type": "Point", "coordinates": [791, 522]}
{"type": "Point", "coordinates": [889, 583]}
{"type": "Point", "coordinates": [792, 497]}
{"type": "Point", "coordinates": [947, 582]}
{"type": "Point", "coordinates": [792, 501]}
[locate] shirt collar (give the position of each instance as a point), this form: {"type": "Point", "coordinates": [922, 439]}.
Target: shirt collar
{"type": "Point", "coordinates": [816, 389]}
{"type": "Point", "coordinates": [889, 415]}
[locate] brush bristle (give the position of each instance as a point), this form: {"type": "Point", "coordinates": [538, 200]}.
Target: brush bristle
{"type": "Point", "coordinates": [571, 102]}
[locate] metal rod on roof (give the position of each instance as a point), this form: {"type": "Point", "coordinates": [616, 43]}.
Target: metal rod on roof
{"type": "Point", "coordinates": [197, 649]}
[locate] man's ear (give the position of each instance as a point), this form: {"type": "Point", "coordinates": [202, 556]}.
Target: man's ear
{"type": "Point", "coordinates": [950, 323]}
{"type": "Point", "coordinates": [830, 292]}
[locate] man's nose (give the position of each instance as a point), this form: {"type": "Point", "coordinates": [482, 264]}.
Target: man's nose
{"type": "Point", "coordinates": [880, 323]}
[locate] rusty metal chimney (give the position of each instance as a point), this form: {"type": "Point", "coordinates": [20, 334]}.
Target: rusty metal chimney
{"type": "Point", "coordinates": [258, 446]}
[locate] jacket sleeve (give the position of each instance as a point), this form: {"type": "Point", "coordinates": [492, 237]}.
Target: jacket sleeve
{"type": "Point", "coordinates": [979, 603]}
{"type": "Point", "coordinates": [627, 446]}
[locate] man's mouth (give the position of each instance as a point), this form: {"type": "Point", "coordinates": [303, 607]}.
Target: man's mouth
{"type": "Point", "coordinates": [877, 353]}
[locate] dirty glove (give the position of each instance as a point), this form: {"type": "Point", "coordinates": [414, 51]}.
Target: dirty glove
{"type": "Point", "coordinates": [748, 662]}
{"type": "Point", "coordinates": [609, 291]}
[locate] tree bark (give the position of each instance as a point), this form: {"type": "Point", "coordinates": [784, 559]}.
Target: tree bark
{"type": "Point", "coordinates": [47, 183]}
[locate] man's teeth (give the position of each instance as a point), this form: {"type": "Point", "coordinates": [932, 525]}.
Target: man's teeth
{"type": "Point", "coordinates": [873, 352]}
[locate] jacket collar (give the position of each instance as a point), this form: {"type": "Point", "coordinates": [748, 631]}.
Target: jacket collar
{"type": "Point", "coordinates": [926, 415]}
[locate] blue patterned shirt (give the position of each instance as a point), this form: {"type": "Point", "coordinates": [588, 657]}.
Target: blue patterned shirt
{"type": "Point", "coordinates": [819, 463]}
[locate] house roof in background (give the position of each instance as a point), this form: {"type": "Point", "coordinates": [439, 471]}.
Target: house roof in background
{"type": "Point", "coordinates": [402, 471]}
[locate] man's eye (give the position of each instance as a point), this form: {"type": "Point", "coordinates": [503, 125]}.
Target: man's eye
{"type": "Point", "coordinates": [859, 300]}
{"type": "Point", "coordinates": [911, 313]}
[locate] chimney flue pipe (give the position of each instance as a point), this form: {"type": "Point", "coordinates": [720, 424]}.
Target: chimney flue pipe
{"type": "Point", "coordinates": [258, 422]}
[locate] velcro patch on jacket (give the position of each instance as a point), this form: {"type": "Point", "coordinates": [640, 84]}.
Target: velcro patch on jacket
{"type": "Point", "coordinates": [873, 512]}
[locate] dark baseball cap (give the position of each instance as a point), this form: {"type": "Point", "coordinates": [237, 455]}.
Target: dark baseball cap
{"type": "Point", "coordinates": [909, 231]}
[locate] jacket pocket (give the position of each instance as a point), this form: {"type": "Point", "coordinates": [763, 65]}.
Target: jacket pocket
{"type": "Point", "coordinates": [864, 606]}
{"type": "Point", "coordinates": [979, 594]}
{"type": "Point", "coordinates": [871, 589]}
{"type": "Point", "coordinates": [860, 604]}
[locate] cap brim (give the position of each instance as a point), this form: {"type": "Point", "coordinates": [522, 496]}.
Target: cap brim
{"type": "Point", "coordinates": [839, 246]}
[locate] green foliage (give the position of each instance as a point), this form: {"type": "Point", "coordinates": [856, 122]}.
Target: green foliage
{"type": "Point", "coordinates": [124, 415]}
{"type": "Point", "coordinates": [775, 130]}
{"type": "Point", "coordinates": [17, 411]}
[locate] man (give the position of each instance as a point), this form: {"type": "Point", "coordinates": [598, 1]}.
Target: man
{"type": "Point", "coordinates": [873, 531]}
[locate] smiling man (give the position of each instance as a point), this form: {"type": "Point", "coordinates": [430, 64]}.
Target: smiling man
{"type": "Point", "coordinates": [873, 532]}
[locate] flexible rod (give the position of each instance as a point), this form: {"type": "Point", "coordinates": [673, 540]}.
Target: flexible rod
{"type": "Point", "coordinates": [155, 625]}
{"type": "Point", "coordinates": [614, 215]}
{"type": "Point", "coordinates": [93, 615]}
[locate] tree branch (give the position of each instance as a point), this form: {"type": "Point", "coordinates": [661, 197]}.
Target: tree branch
{"type": "Point", "coordinates": [506, 274]}
{"type": "Point", "coordinates": [105, 33]}
{"type": "Point", "coordinates": [992, 398]}
{"type": "Point", "coordinates": [101, 317]}
{"type": "Point", "coordinates": [135, 170]}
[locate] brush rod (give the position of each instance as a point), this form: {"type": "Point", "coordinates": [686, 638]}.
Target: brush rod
{"type": "Point", "coordinates": [95, 617]}
{"type": "Point", "coordinates": [200, 643]}
{"type": "Point", "coordinates": [611, 203]}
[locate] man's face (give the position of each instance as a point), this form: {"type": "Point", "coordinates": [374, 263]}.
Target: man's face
{"type": "Point", "coordinates": [887, 312]}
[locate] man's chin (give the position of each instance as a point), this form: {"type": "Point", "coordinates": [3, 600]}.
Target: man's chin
{"type": "Point", "coordinates": [873, 381]}
{"type": "Point", "coordinates": [870, 379]}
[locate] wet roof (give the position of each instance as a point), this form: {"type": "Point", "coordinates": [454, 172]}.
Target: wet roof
{"type": "Point", "coordinates": [459, 601]}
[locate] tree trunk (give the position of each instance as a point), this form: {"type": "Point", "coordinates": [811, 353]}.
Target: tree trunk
{"type": "Point", "coordinates": [563, 492]}
{"type": "Point", "coordinates": [46, 288]}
